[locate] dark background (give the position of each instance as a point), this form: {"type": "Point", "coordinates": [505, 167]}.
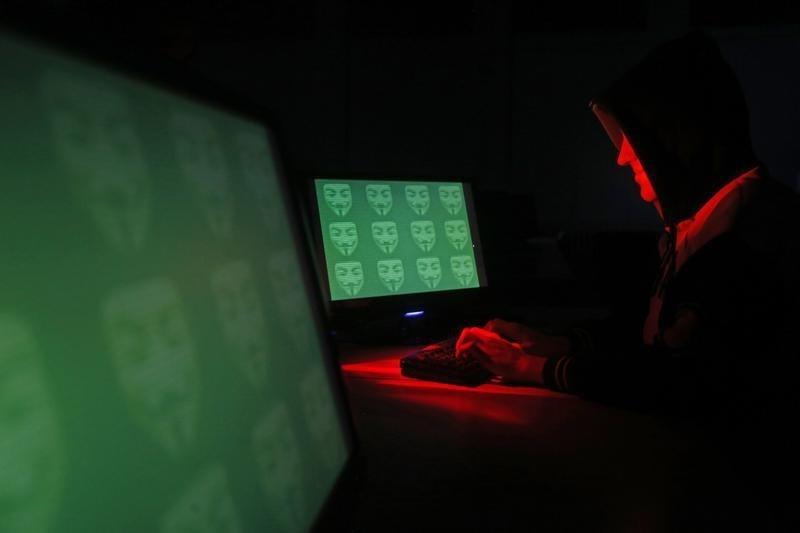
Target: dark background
{"type": "Point", "coordinates": [495, 91]}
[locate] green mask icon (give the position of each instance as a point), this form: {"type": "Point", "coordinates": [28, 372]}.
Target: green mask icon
{"type": "Point", "coordinates": [260, 176]}
{"type": "Point", "coordinates": [198, 149]}
{"type": "Point", "coordinates": [457, 233]}
{"type": "Point", "coordinates": [155, 360]}
{"type": "Point", "coordinates": [344, 236]}
{"type": "Point", "coordinates": [350, 276]}
{"type": "Point", "coordinates": [339, 197]}
{"type": "Point", "coordinates": [423, 234]}
{"type": "Point", "coordinates": [463, 268]}
{"type": "Point", "coordinates": [429, 270]}
{"type": "Point", "coordinates": [31, 454]}
{"type": "Point", "coordinates": [385, 235]}
{"type": "Point", "coordinates": [391, 273]}
{"type": "Point", "coordinates": [451, 197]}
{"type": "Point", "coordinates": [321, 418]}
{"type": "Point", "coordinates": [277, 458]}
{"type": "Point", "coordinates": [94, 136]}
{"type": "Point", "coordinates": [206, 506]}
{"type": "Point", "coordinates": [379, 197]}
{"type": "Point", "coordinates": [242, 319]}
{"type": "Point", "coordinates": [418, 198]}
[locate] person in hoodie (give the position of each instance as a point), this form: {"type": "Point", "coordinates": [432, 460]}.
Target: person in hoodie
{"type": "Point", "coordinates": [718, 345]}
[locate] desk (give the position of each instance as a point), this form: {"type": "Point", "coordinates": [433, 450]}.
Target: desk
{"type": "Point", "coordinates": [500, 458]}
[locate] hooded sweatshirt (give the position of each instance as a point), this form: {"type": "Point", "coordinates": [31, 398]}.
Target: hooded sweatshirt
{"type": "Point", "coordinates": [729, 268]}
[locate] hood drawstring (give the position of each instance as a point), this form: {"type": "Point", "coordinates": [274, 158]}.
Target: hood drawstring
{"type": "Point", "coordinates": [667, 269]}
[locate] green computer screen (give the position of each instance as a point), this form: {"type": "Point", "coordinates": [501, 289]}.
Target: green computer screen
{"type": "Point", "coordinates": [161, 366]}
{"type": "Point", "coordinates": [385, 238]}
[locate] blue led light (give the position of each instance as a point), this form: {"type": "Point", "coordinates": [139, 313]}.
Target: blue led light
{"type": "Point", "coordinates": [414, 313]}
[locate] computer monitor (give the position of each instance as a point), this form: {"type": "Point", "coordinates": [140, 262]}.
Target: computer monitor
{"type": "Point", "coordinates": [163, 365]}
{"type": "Point", "coordinates": [396, 246]}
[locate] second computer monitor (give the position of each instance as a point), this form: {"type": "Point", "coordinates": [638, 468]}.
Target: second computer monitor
{"type": "Point", "coordinates": [385, 238]}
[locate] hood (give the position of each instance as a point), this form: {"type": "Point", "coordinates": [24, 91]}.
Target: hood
{"type": "Point", "coordinates": [684, 113]}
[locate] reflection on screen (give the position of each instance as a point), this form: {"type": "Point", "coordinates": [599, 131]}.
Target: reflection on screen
{"type": "Point", "coordinates": [161, 367]}
{"type": "Point", "coordinates": [395, 237]}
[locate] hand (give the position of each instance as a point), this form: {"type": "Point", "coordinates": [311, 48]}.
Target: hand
{"type": "Point", "coordinates": [500, 356]}
{"type": "Point", "coordinates": [531, 341]}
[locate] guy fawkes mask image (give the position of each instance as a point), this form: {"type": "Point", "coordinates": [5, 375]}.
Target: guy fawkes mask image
{"type": "Point", "coordinates": [379, 198]}
{"type": "Point", "coordinates": [155, 361]}
{"type": "Point", "coordinates": [344, 236]}
{"type": "Point", "coordinates": [391, 273]}
{"type": "Point", "coordinates": [277, 456]}
{"type": "Point", "coordinates": [339, 197]}
{"type": "Point", "coordinates": [451, 198]}
{"type": "Point", "coordinates": [385, 235]}
{"type": "Point", "coordinates": [457, 233]}
{"type": "Point", "coordinates": [321, 417]}
{"type": "Point", "coordinates": [423, 233]}
{"type": "Point", "coordinates": [463, 268]}
{"type": "Point", "coordinates": [418, 198]}
{"type": "Point", "coordinates": [350, 276]}
{"type": "Point", "coordinates": [206, 506]}
{"type": "Point", "coordinates": [429, 270]}
{"type": "Point", "coordinates": [242, 319]}
{"type": "Point", "coordinates": [200, 157]}
{"type": "Point", "coordinates": [261, 177]}
{"type": "Point", "coordinates": [94, 136]}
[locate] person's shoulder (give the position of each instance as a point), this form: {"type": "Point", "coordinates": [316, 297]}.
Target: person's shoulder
{"type": "Point", "coordinates": [771, 218]}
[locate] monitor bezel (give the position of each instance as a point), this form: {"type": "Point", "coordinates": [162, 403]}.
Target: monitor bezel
{"type": "Point", "coordinates": [360, 309]}
{"type": "Point", "coordinates": [161, 72]}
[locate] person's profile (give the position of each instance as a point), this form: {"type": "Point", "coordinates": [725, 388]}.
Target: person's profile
{"type": "Point", "coordinates": [391, 273]}
{"type": "Point", "coordinates": [379, 197]}
{"type": "Point", "coordinates": [457, 233]}
{"type": "Point", "coordinates": [155, 362]}
{"type": "Point", "coordinates": [451, 197]}
{"type": "Point", "coordinates": [429, 270]}
{"type": "Point", "coordinates": [277, 457]}
{"type": "Point", "coordinates": [94, 136]}
{"type": "Point", "coordinates": [199, 154]}
{"type": "Point", "coordinates": [463, 267]}
{"type": "Point", "coordinates": [242, 319]}
{"type": "Point", "coordinates": [206, 506]}
{"type": "Point", "coordinates": [344, 236]}
{"type": "Point", "coordinates": [31, 455]}
{"type": "Point", "coordinates": [339, 197]}
{"type": "Point", "coordinates": [349, 276]}
{"type": "Point", "coordinates": [418, 198]}
{"type": "Point", "coordinates": [385, 235]}
{"type": "Point", "coordinates": [423, 233]}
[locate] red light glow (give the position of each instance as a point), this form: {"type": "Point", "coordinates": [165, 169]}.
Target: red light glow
{"type": "Point", "coordinates": [627, 157]}
{"type": "Point", "coordinates": [499, 403]}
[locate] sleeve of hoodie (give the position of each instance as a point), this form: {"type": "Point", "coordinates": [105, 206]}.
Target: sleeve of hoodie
{"type": "Point", "coordinates": [717, 286]}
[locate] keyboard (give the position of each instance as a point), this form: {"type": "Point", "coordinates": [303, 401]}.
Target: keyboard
{"type": "Point", "coordinates": [438, 362]}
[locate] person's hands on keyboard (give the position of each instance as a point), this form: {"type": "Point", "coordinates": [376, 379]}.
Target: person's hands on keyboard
{"type": "Point", "coordinates": [531, 341]}
{"type": "Point", "coordinates": [500, 348]}
{"type": "Point", "coordinates": [439, 362]}
{"type": "Point", "coordinates": [499, 356]}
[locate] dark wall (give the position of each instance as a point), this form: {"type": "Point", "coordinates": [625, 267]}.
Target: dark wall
{"type": "Point", "coordinates": [506, 110]}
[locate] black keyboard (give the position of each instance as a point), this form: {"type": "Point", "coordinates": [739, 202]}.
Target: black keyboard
{"type": "Point", "coordinates": [438, 362]}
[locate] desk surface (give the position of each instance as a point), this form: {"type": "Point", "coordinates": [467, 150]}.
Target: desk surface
{"type": "Point", "coordinates": [502, 458]}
